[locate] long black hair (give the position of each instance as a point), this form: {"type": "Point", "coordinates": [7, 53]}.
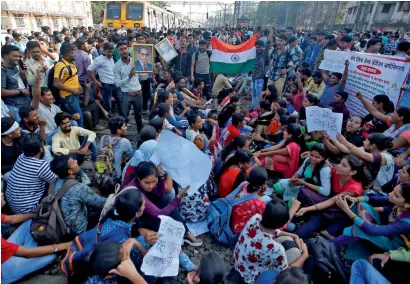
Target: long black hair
{"type": "Point", "coordinates": [225, 114]}
{"type": "Point", "coordinates": [388, 105]}
{"type": "Point", "coordinates": [143, 170]}
{"type": "Point", "coordinates": [239, 157]}
{"type": "Point", "coordinates": [211, 269]}
{"type": "Point", "coordinates": [257, 178]}
{"type": "Point", "coordinates": [321, 149]}
{"type": "Point", "coordinates": [127, 205]}
{"type": "Point", "coordinates": [362, 174]}
{"type": "Point", "coordinates": [297, 136]}
{"type": "Point", "coordinates": [236, 143]}
{"type": "Point", "coordinates": [382, 142]}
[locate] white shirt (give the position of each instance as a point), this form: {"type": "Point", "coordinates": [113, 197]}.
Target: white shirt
{"type": "Point", "coordinates": [104, 66]}
{"type": "Point", "coordinates": [48, 114]}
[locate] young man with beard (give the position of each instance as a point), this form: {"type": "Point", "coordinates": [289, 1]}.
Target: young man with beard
{"type": "Point", "coordinates": [120, 145]}
{"type": "Point", "coordinates": [67, 140]}
{"type": "Point", "coordinates": [125, 79]}
{"type": "Point", "coordinates": [37, 61]}
{"type": "Point", "coordinates": [104, 66]}
{"type": "Point", "coordinates": [30, 121]}
{"type": "Point", "coordinates": [66, 80]}
{"type": "Point", "coordinates": [182, 63]}
{"type": "Point", "coordinates": [200, 67]}
{"type": "Point", "coordinates": [13, 91]}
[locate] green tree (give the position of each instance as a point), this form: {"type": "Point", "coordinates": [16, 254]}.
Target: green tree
{"type": "Point", "coordinates": [96, 8]}
{"type": "Point", "coordinates": [161, 4]}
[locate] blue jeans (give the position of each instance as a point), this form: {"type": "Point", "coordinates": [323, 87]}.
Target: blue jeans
{"type": "Point", "coordinates": [72, 103]}
{"type": "Point", "coordinates": [94, 153]}
{"type": "Point", "coordinates": [49, 136]}
{"type": "Point", "coordinates": [108, 91]}
{"type": "Point", "coordinates": [266, 277]}
{"type": "Point", "coordinates": [15, 112]}
{"type": "Point", "coordinates": [17, 267]}
{"type": "Point", "coordinates": [207, 81]}
{"type": "Point", "coordinates": [257, 88]}
{"type": "Point", "coordinates": [363, 272]}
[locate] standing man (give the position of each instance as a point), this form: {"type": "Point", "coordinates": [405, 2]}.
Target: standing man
{"type": "Point", "coordinates": [124, 78]}
{"type": "Point", "coordinates": [373, 46]}
{"type": "Point", "coordinates": [280, 64]}
{"type": "Point", "coordinates": [258, 73]}
{"type": "Point", "coordinates": [13, 91]}
{"type": "Point", "coordinates": [191, 47]}
{"type": "Point", "coordinates": [37, 61]}
{"type": "Point", "coordinates": [104, 66]}
{"type": "Point", "coordinates": [66, 80]}
{"type": "Point", "coordinates": [144, 78]}
{"type": "Point", "coordinates": [82, 60]}
{"type": "Point", "coordinates": [200, 67]}
{"type": "Point", "coordinates": [182, 62]}
{"type": "Point", "coordinates": [19, 42]}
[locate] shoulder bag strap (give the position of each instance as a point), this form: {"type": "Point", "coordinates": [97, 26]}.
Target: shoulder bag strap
{"type": "Point", "coordinates": [65, 187]}
{"type": "Point", "coordinates": [51, 187]}
{"type": "Point", "coordinates": [232, 195]}
{"type": "Point", "coordinates": [244, 199]}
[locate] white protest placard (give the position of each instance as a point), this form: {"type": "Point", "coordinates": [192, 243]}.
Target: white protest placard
{"type": "Point", "coordinates": [334, 61]}
{"type": "Point", "coordinates": [162, 258]}
{"type": "Point", "coordinates": [198, 228]}
{"type": "Point", "coordinates": [372, 75]}
{"type": "Point", "coordinates": [182, 160]}
{"type": "Point", "coordinates": [318, 119]}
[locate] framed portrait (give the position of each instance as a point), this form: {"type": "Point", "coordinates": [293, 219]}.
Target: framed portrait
{"type": "Point", "coordinates": [166, 50]}
{"type": "Point", "coordinates": [143, 58]}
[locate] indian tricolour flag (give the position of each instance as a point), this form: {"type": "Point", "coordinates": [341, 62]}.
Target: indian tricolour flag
{"type": "Point", "coordinates": [233, 59]}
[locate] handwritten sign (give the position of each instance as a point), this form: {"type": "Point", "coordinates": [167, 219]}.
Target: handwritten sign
{"type": "Point", "coordinates": [334, 61]}
{"type": "Point", "coordinates": [182, 160]}
{"type": "Point", "coordinates": [319, 119]}
{"type": "Point", "coordinates": [198, 228]}
{"type": "Point", "coordinates": [162, 258]}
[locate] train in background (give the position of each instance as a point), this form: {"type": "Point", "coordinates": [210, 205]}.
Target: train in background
{"type": "Point", "coordinates": [138, 14]}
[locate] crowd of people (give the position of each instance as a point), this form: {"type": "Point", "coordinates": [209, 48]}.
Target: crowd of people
{"type": "Point", "coordinates": [349, 196]}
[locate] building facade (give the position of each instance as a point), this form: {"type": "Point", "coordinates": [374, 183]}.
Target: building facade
{"type": "Point", "coordinates": [378, 15]}
{"type": "Point", "coordinates": [31, 15]}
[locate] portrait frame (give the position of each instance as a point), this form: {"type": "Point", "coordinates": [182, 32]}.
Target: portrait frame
{"type": "Point", "coordinates": [136, 63]}
{"type": "Point", "coordinates": [166, 58]}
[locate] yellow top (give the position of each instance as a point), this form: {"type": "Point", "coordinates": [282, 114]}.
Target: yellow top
{"type": "Point", "coordinates": [61, 71]}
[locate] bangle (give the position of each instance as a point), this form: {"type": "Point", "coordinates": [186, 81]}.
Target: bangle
{"type": "Point", "coordinates": [55, 248]}
{"type": "Point", "coordinates": [354, 218]}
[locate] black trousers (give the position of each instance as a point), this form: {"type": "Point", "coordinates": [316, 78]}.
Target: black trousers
{"type": "Point", "coordinates": [146, 93]}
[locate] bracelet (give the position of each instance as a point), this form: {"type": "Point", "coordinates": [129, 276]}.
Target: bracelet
{"type": "Point", "coordinates": [354, 218]}
{"type": "Point", "coordinates": [317, 208]}
{"type": "Point", "coordinates": [55, 248]}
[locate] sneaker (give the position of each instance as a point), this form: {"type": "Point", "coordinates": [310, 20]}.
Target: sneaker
{"type": "Point", "coordinates": [193, 244]}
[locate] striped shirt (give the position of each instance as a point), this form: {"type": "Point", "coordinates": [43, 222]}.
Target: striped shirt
{"type": "Point", "coordinates": [26, 184]}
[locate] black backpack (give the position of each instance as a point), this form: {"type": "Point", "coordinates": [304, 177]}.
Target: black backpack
{"type": "Point", "coordinates": [48, 225]}
{"type": "Point", "coordinates": [50, 80]}
{"type": "Point", "coordinates": [325, 264]}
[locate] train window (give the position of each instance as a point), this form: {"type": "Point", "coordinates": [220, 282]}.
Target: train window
{"type": "Point", "coordinates": [113, 11]}
{"type": "Point", "coordinates": [134, 11]}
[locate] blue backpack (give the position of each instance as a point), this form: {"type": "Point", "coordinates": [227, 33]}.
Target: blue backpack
{"type": "Point", "coordinates": [75, 264]}
{"type": "Point", "coordinates": [219, 216]}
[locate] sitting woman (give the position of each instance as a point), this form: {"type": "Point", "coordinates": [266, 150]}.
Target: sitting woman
{"type": "Point", "coordinates": [309, 100]}
{"type": "Point", "coordinates": [163, 110]}
{"type": "Point", "coordinates": [195, 124]}
{"type": "Point", "coordinates": [143, 154]}
{"type": "Point", "coordinates": [275, 131]}
{"type": "Point", "coordinates": [179, 122]}
{"type": "Point", "coordinates": [398, 122]}
{"type": "Point", "coordinates": [254, 189]}
{"type": "Point", "coordinates": [352, 133]}
{"type": "Point", "coordinates": [234, 172]}
{"type": "Point", "coordinates": [151, 183]}
{"type": "Point", "coordinates": [129, 205]}
{"type": "Point", "coordinates": [270, 94]}
{"type": "Point", "coordinates": [289, 104]}
{"type": "Point", "coordinates": [347, 179]}
{"type": "Point", "coordinates": [377, 159]}
{"type": "Point", "coordinates": [233, 130]}
{"type": "Point", "coordinates": [231, 93]}
{"type": "Point", "coordinates": [395, 208]}
{"type": "Point", "coordinates": [239, 143]}
{"type": "Point", "coordinates": [284, 157]}
{"type": "Point", "coordinates": [261, 123]}
{"type": "Point", "coordinates": [225, 117]}
{"type": "Point", "coordinates": [314, 175]}
{"type": "Point", "coordinates": [384, 106]}
{"type": "Point", "coordinates": [198, 88]}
